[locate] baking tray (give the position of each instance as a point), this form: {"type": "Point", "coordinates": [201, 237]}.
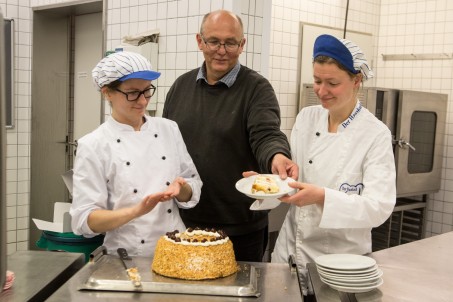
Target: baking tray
{"type": "Point", "coordinates": [110, 275]}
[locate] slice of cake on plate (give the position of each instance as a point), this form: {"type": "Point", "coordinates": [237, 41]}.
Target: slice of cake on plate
{"type": "Point", "coordinates": [265, 184]}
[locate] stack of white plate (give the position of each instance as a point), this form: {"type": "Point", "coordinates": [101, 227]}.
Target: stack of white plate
{"type": "Point", "coordinates": [349, 273]}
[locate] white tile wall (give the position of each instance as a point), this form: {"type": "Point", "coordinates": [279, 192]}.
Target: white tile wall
{"type": "Point", "coordinates": [399, 26]}
{"type": "Point", "coordinates": [18, 138]}
{"type": "Point", "coordinates": [178, 22]}
{"type": "Point", "coordinates": [422, 27]}
{"type": "Point", "coordinates": [285, 41]}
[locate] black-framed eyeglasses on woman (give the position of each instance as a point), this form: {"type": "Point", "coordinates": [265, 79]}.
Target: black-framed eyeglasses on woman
{"type": "Point", "coordinates": [132, 96]}
{"type": "Point", "coordinates": [215, 45]}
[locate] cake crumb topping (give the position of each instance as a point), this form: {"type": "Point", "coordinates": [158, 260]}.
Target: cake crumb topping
{"type": "Point", "coordinates": [198, 236]}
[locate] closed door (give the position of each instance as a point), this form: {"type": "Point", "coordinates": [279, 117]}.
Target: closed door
{"type": "Point", "coordinates": [420, 142]}
{"type": "Point", "coordinates": [50, 100]}
{"type": "Point", "coordinates": [58, 36]}
{"type": "Point", "coordinates": [88, 51]}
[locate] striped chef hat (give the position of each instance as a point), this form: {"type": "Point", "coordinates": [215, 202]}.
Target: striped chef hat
{"type": "Point", "coordinates": [122, 66]}
{"type": "Point", "coordinates": [345, 52]}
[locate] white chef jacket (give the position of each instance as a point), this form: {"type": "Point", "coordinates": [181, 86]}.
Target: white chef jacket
{"type": "Point", "coordinates": [116, 167]}
{"type": "Point", "coordinates": [356, 167]}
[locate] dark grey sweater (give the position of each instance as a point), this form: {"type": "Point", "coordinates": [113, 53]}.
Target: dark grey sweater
{"type": "Point", "coordinates": [227, 131]}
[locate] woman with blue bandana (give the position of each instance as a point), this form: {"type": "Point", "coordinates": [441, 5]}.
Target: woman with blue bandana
{"type": "Point", "coordinates": [347, 169]}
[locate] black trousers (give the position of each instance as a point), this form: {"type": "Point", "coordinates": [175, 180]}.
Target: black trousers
{"type": "Point", "coordinates": [250, 247]}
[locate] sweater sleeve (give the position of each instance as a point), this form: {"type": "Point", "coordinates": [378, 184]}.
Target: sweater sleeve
{"type": "Point", "coordinates": [263, 125]}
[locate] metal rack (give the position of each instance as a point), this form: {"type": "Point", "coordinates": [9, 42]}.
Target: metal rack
{"type": "Point", "coordinates": [406, 224]}
{"type": "Point", "coordinates": [418, 56]}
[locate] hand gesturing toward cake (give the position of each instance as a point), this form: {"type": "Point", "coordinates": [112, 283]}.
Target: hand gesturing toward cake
{"type": "Point", "coordinates": [102, 220]}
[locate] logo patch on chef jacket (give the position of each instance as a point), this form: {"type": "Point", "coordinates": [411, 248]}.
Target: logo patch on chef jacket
{"type": "Point", "coordinates": [352, 189]}
{"type": "Point", "coordinates": [353, 115]}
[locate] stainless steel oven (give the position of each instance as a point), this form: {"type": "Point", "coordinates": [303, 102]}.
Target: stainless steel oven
{"type": "Point", "coordinates": [417, 122]}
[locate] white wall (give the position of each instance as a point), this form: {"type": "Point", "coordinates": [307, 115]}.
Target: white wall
{"type": "Point", "coordinates": [18, 138]}
{"type": "Point", "coordinates": [178, 23]}
{"type": "Point", "coordinates": [422, 27]}
{"type": "Point", "coordinates": [287, 16]}
{"type": "Point", "coordinates": [399, 26]}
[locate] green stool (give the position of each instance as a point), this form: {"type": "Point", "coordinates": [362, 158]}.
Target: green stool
{"type": "Point", "coordinates": [69, 242]}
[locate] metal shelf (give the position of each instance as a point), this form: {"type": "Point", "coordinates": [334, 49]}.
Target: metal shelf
{"type": "Point", "coordinates": [419, 56]}
{"type": "Point", "coordinates": [406, 224]}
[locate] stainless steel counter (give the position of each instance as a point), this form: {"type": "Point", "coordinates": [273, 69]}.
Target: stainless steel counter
{"type": "Point", "coordinates": [39, 273]}
{"type": "Point", "coordinates": [418, 271]}
{"type": "Point", "coordinates": [276, 282]}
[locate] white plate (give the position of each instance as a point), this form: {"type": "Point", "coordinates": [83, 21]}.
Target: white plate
{"type": "Point", "coordinates": [351, 277]}
{"type": "Point", "coordinates": [345, 262]}
{"type": "Point", "coordinates": [362, 272]}
{"type": "Point", "coordinates": [354, 289]}
{"type": "Point", "coordinates": [244, 186]}
{"type": "Point", "coordinates": [265, 204]}
{"type": "Point", "coordinates": [350, 283]}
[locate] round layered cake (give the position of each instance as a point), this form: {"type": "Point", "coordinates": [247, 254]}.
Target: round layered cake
{"type": "Point", "coordinates": [194, 255]}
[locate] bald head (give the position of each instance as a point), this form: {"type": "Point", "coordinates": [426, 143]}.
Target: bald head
{"type": "Point", "coordinates": [222, 18]}
{"type": "Point", "coordinates": [222, 40]}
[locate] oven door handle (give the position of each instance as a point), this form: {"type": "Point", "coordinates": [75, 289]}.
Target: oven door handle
{"type": "Point", "coordinates": [402, 143]}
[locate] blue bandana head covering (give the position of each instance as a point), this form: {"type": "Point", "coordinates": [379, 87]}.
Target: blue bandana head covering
{"type": "Point", "coordinates": [344, 52]}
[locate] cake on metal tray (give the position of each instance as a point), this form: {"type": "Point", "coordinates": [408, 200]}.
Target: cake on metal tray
{"type": "Point", "coordinates": [195, 254]}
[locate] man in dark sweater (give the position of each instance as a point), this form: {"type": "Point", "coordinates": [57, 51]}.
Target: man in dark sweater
{"type": "Point", "coordinates": [229, 118]}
